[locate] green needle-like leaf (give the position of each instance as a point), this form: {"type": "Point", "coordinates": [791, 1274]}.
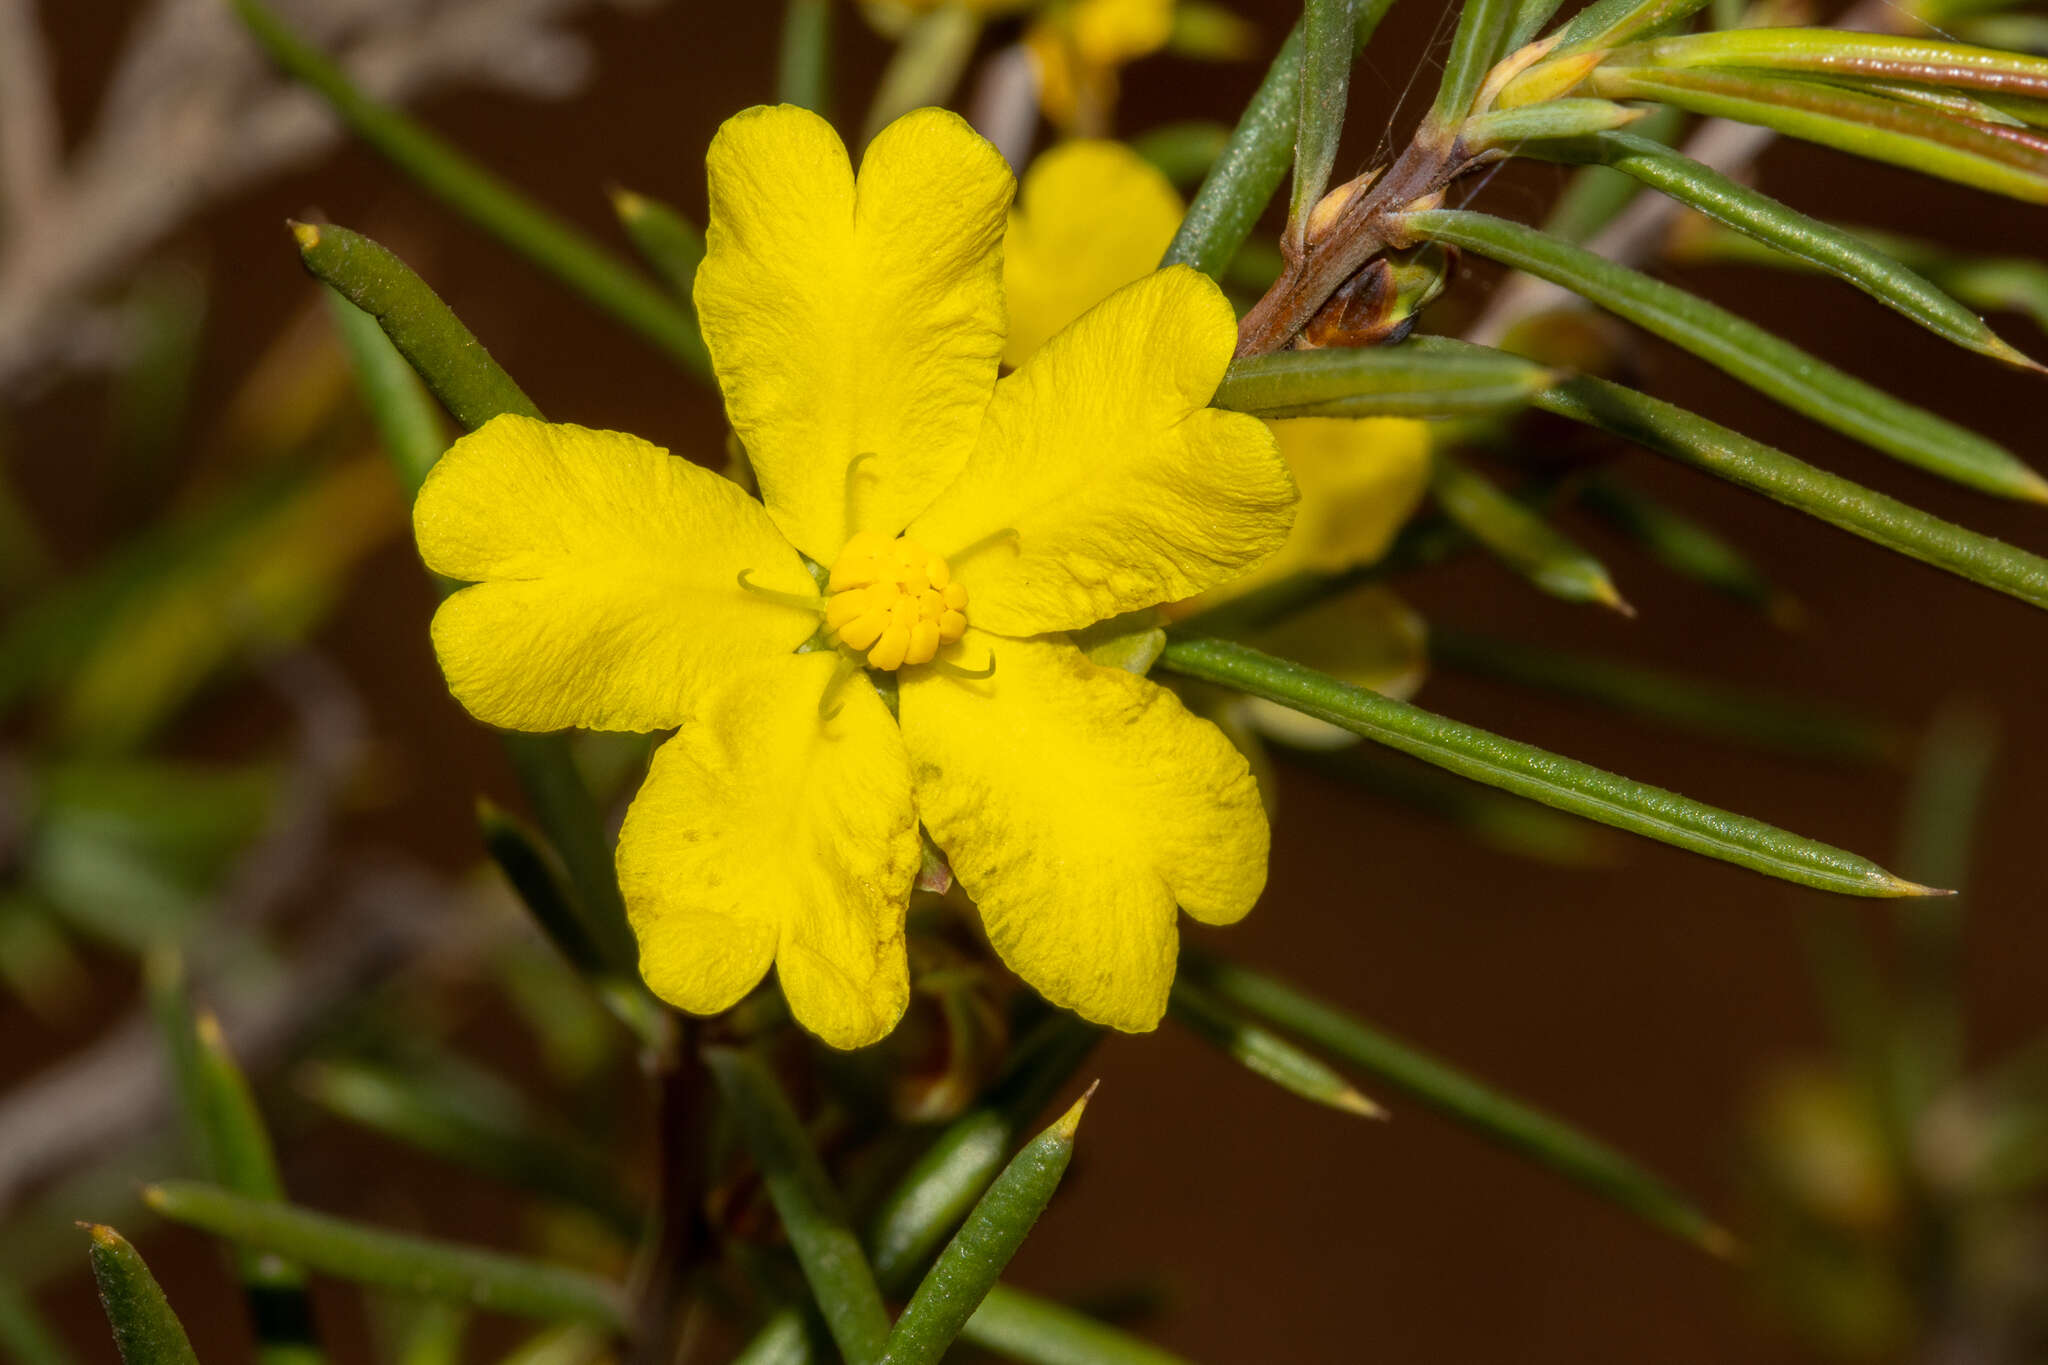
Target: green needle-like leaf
{"type": "Point", "coordinates": [1252, 164]}
{"type": "Point", "coordinates": [417, 1265]}
{"type": "Point", "coordinates": [146, 1331]}
{"type": "Point", "coordinates": [1022, 1327]}
{"type": "Point", "coordinates": [972, 1261]}
{"type": "Point", "coordinates": [804, 70]}
{"type": "Point", "coordinates": [1512, 129]}
{"type": "Point", "coordinates": [668, 241]}
{"type": "Point", "coordinates": [443, 352]}
{"type": "Point", "coordinates": [1691, 439]}
{"type": "Point", "coordinates": [467, 1120]}
{"type": "Point", "coordinates": [601, 277]}
{"type": "Point", "coordinates": [1528, 771]}
{"type": "Point", "coordinates": [1684, 546]}
{"type": "Point", "coordinates": [1265, 1053]}
{"type": "Point", "coordinates": [1479, 41]}
{"type": "Point", "coordinates": [1825, 247]}
{"type": "Point", "coordinates": [232, 1148]}
{"type": "Point", "coordinates": [938, 1190]}
{"type": "Point", "coordinates": [460, 372]}
{"type": "Point", "coordinates": [2006, 161]}
{"type": "Point", "coordinates": [812, 1212]}
{"type": "Point", "coordinates": [1847, 55]}
{"type": "Point", "coordinates": [1408, 380]}
{"type": "Point", "coordinates": [1521, 539]}
{"type": "Point", "coordinates": [1326, 29]}
{"type": "Point", "coordinates": [1448, 1091]}
{"type": "Point", "coordinates": [1596, 196]}
{"type": "Point", "coordinates": [1608, 22]}
{"type": "Point", "coordinates": [1757, 357]}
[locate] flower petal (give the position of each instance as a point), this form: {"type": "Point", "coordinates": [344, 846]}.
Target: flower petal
{"type": "Point", "coordinates": [1077, 805]}
{"type": "Point", "coordinates": [764, 831]}
{"type": "Point", "coordinates": [1091, 217]}
{"type": "Point", "coordinates": [607, 577]}
{"type": "Point", "coordinates": [852, 321]}
{"type": "Point", "coordinates": [1123, 487]}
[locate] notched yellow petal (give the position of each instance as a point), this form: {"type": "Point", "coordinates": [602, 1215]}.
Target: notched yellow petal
{"type": "Point", "coordinates": [767, 833]}
{"type": "Point", "coordinates": [1077, 804]}
{"type": "Point", "coordinates": [607, 577]}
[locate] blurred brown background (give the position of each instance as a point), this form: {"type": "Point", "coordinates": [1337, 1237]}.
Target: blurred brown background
{"type": "Point", "coordinates": [1643, 1000]}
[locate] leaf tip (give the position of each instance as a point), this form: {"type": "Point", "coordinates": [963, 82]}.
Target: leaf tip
{"type": "Point", "coordinates": [627, 204]}
{"type": "Point", "coordinates": [1998, 348]}
{"type": "Point", "coordinates": [1070, 1122]}
{"type": "Point", "coordinates": [155, 1197]}
{"type": "Point", "coordinates": [103, 1236]}
{"type": "Point", "coordinates": [1609, 596]}
{"type": "Point", "coordinates": [1352, 1102]}
{"type": "Point", "coordinates": [308, 234]}
{"type": "Point", "coordinates": [1900, 887]}
{"type": "Point", "coordinates": [1718, 1242]}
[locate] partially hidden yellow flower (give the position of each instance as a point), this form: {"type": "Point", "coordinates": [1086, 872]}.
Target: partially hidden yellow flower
{"type": "Point", "coordinates": [961, 526]}
{"type": "Point", "coordinates": [1091, 217]}
{"type": "Point", "coordinates": [1077, 48]}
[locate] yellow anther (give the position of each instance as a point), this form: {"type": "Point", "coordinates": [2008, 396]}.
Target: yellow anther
{"type": "Point", "coordinates": [894, 601]}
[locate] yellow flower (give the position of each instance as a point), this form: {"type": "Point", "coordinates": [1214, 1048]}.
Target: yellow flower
{"type": "Point", "coordinates": [1077, 47]}
{"type": "Point", "coordinates": [967, 525]}
{"type": "Point", "coordinates": [1093, 216]}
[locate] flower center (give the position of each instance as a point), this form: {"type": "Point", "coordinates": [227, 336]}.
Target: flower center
{"type": "Point", "coordinates": [893, 600]}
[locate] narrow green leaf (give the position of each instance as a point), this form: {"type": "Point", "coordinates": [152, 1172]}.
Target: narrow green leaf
{"type": "Point", "coordinates": [667, 241]}
{"type": "Point", "coordinates": [1444, 1089]}
{"type": "Point", "coordinates": [1993, 284]}
{"type": "Point", "coordinates": [146, 1331]}
{"type": "Point", "coordinates": [1530, 17]}
{"type": "Point", "coordinates": [232, 1148]}
{"type": "Point", "coordinates": [468, 1119]}
{"type": "Point", "coordinates": [1528, 771]}
{"type": "Point", "coordinates": [1608, 22]}
{"type": "Point", "coordinates": [1782, 725]}
{"type": "Point", "coordinates": [1326, 48]}
{"type": "Point", "coordinates": [812, 1212]}
{"type": "Point", "coordinates": [403, 412]}
{"type": "Point", "coordinates": [1022, 1327]}
{"type": "Point", "coordinates": [1684, 546]}
{"type": "Point", "coordinates": [417, 1265]}
{"type": "Point", "coordinates": [1757, 357]}
{"type": "Point", "coordinates": [460, 372]}
{"type": "Point", "coordinates": [1833, 250]}
{"type": "Point", "coordinates": [804, 69]}
{"type": "Point", "coordinates": [443, 352]}
{"type": "Point", "coordinates": [2004, 161]}
{"type": "Point", "coordinates": [1265, 1053]}
{"type": "Point", "coordinates": [926, 65]}
{"type": "Point", "coordinates": [1511, 130]}
{"type": "Point", "coordinates": [1693, 440]}
{"type": "Point", "coordinates": [1479, 42]}
{"type": "Point", "coordinates": [1241, 184]}
{"type": "Point", "coordinates": [1521, 539]}
{"type": "Point", "coordinates": [937, 1191]}
{"type": "Point", "coordinates": [530, 870]}
{"type": "Point", "coordinates": [24, 1337]}
{"type": "Point", "coordinates": [1596, 195]}
{"type": "Point", "coordinates": [1407, 380]}
{"type": "Point", "coordinates": [969, 1266]}
{"type": "Point", "coordinates": [593, 272]}
{"type": "Point", "coordinates": [1843, 54]}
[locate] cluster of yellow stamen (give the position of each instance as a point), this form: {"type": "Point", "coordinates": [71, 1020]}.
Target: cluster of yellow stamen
{"type": "Point", "coordinates": [893, 600]}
